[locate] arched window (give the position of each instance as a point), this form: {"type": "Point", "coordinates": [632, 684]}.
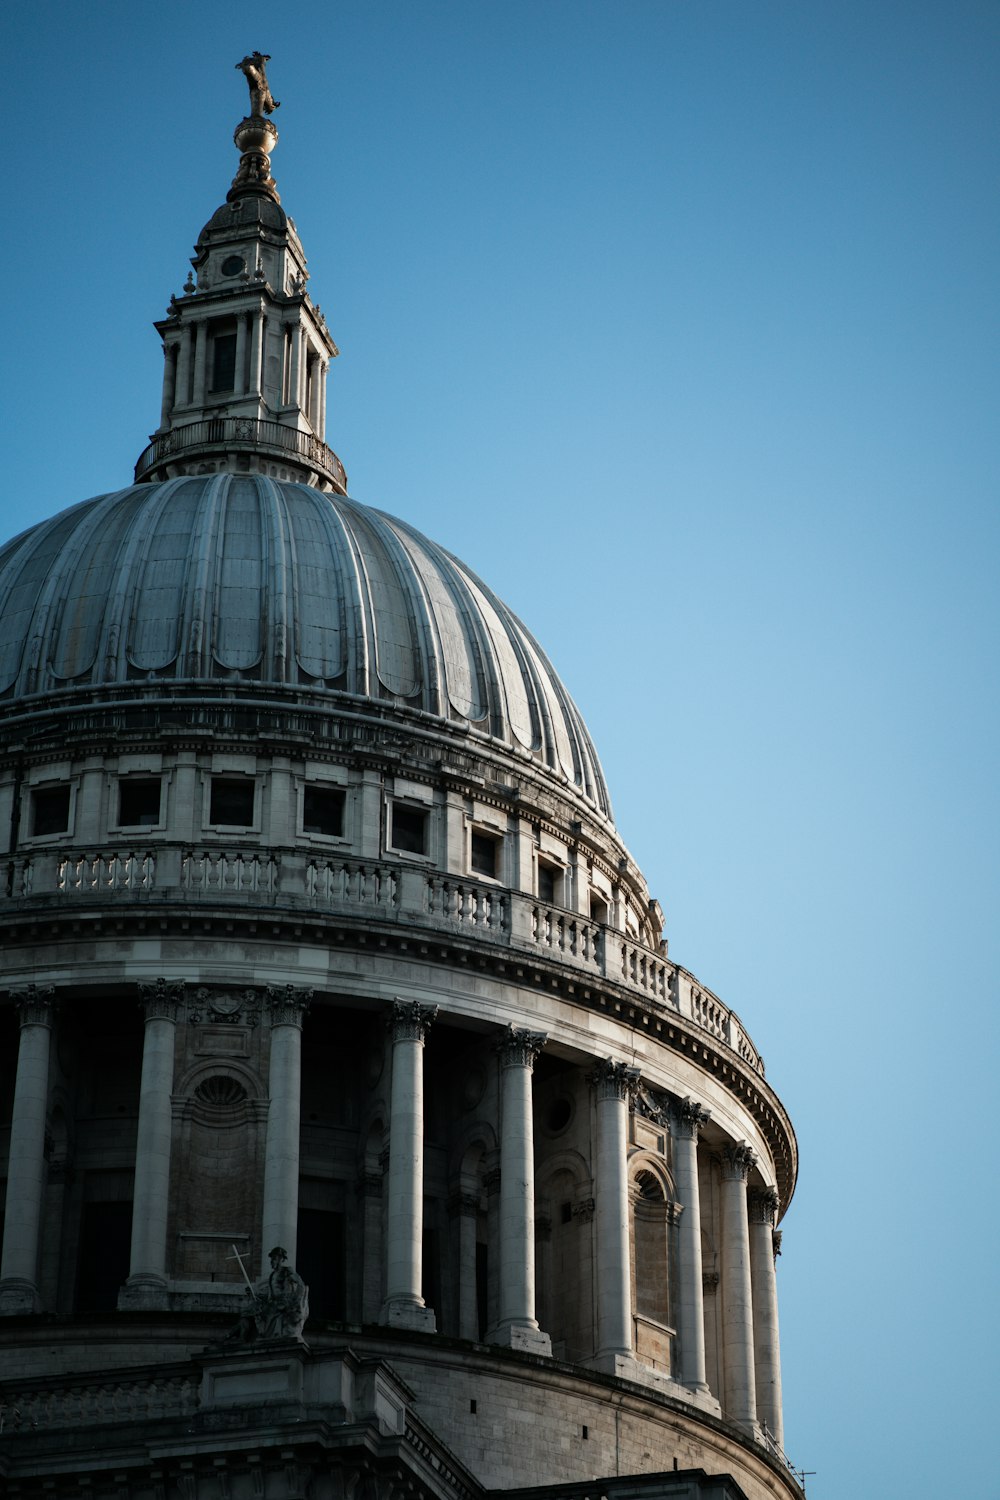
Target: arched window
{"type": "Point", "coordinates": [651, 1269]}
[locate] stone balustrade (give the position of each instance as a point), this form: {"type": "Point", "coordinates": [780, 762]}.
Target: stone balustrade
{"type": "Point", "coordinates": [76, 1403]}
{"type": "Point", "coordinates": [379, 890]}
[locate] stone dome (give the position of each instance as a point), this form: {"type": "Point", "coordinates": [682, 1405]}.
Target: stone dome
{"type": "Point", "coordinates": [248, 583]}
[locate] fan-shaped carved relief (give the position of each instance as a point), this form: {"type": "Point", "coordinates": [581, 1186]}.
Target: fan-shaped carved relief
{"type": "Point", "coordinates": [220, 1092]}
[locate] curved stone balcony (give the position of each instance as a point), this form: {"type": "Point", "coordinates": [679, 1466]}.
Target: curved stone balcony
{"type": "Point", "coordinates": [216, 438]}
{"type": "Point", "coordinates": [381, 890]}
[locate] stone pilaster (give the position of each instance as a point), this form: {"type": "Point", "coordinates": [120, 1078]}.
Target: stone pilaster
{"type": "Point", "coordinates": [279, 1224]}
{"type": "Point", "coordinates": [739, 1394]}
{"type": "Point", "coordinates": [147, 1280]}
{"type": "Point", "coordinates": [517, 1327]}
{"type": "Point", "coordinates": [26, 1170]}
{"type": "Point", "coordinates": [463, 1210]}
{"type": "Point", "coordinates": [615, 1084]}
{"type": "Point", "coordinates": [404, 1306]}
{"type": "Point", "coordinates": [686, 1119]}
{"type": "Point", "coordinates": [767, 1349]}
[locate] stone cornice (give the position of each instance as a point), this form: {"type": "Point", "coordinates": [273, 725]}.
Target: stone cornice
{"type": "Point", "coordinates": [361, 935]}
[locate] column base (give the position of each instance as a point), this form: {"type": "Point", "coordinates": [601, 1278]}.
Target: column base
{"type": "Point", "coordinates": [18, 1296]}
{"type": "Point", "coordinates": [407, 1312]}
{"type": "Point", "coordinates": [144, 1292]}
{"type": "Point", "coordinates": [523, 1335]}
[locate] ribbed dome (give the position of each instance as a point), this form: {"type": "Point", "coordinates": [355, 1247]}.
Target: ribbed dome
{"type": "Point", "coordinates": [233, 580]}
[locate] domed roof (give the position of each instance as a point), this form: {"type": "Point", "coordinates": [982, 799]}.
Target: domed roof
{"type": "Point", "coordinates": [231, 580]}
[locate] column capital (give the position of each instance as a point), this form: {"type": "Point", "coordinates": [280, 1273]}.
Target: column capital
{"type": "Point", "coordinates": [518, 1048]}
{"type": "Point", "coordinates": [687, 1117]}
{"type": "Point", "coordinates": [615, 1080]}
{"type": "Point", "coordinates": [409, 1021]}
{"type": "Point", "coordinates": [763, 1205]}
{"type": "Point", "coordinates": [287, 1004]}
{"type": "Point", "coordinates": [736, 1161]}
{"type": "Point", "coordinates": [776, 1242]}
{"type": "Point", "coordinates": [161, 999]}
{"type": "Point", "coordinates": [35, 1004]}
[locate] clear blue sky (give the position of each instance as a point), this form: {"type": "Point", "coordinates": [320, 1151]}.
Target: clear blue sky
{"type": "Point", "coordinates": [679, 322]}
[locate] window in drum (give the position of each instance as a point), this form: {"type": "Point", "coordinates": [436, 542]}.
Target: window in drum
{"type": "Point", "coordinates": [549, 882]}
{"type": "Point", "coordinates": [598, 909]}
{"type": "Point", "coordinates": [484, 854]}
{"type": "Point", "coordinates": [408, 828]}
{"type": "Point", "coordinates": [49, 811]}
{"type": "Point", "coordinates": [139, 802]}
{"type": "Point", "coordinates": [232, 801]}
{"type": "Point", "coordinates": [323, 811]}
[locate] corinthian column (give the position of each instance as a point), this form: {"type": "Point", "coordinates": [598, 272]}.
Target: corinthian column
{"type": "Point", "coordinates": [280, 1220]}
{"type": "Point", "coordinates": [685, 1119]}
{"type": "Point", "coordinates": [615, 1084]}
{"type": "Point", "coordinates": [26, 1169]}
{"type": "Point", "coordinates": [147, 1280]}
{"type": "Point", "coordinates": [739, 1396]}
{"type": "Point", "coordinates": [763, 1207]}
{"type": "Point", "coordinates": [517, 1327]}
{"type": "Point", "coordinates": [404, 1306]}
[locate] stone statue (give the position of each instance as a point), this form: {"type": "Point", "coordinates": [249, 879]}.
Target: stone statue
{"type": "Point", "coordinates": [262, 102]}
{"type": "Point", "coordinates": [278, 1304]}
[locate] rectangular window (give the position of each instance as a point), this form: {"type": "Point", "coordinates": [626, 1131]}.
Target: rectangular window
{"type": "Point", "coordinates": [49, 810]}
{"type": "Point", "coordinates": [598, 909]}
{"type": "Point", "coordinates": [485, 854]}
{"type": "Point", "coordinates": [139, 802]}
{"type": "Point", "coordinates": [408, 829]}
{"type": "Point", "coordinates": [323, 811]}
{"type": "Point", "coordinates": [224, 362]}
{"type": "Point", "coordinates": [232, 801]}
{"type": "Point", "coordinates": [548, 881]}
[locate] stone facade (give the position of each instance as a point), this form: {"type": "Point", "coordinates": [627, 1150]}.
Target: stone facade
{"type": "Point", "coordinates": [348, 959]}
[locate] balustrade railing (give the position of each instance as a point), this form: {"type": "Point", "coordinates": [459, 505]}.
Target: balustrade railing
{"type": "Point", "coordinates": [104, 872]}
{"type": "Point", "coordinates": [344, 882]}
{"type": "Point", "coordinates": [468, 905]}
{"type": "Point", "coordinates": [243, 433]}
{"type": "Point", "coordinates": [216, 872]}
{"type": "Point", "coordinates": [563, 933]}
{"type": "Point", "coordinates": [380, 890]}
{"type": "Point", "coordinates": [74, 1405]}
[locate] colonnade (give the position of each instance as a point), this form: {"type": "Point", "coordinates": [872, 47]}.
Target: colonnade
{"type": "Point", "coordinates": [186, 368]}
{"type": "Point", "coordinates": [751, 1375]}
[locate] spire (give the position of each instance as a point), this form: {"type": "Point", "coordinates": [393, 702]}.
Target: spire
{"type": "Point", "coordinates": [246, 350]}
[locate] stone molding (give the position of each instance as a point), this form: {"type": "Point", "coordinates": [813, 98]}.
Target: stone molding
{"type": "Point", "coordinates": [763, 1205]}
{"type": "Point", "coordinates": [409, 1021]}
{"type": "Point", "coordinates": [162, 999]}
{"type": "Point", "coordinates": [583, 1212]}
{"type": "Point", "coordinates": [519, 1048]}
{"type": "Point", "coordinates": [35, 1004]}
{"type": "Point", "coordinates": [615, 1080]}
{"type": "Point", "coordinates": [736, 1161]}
{"type": "Point", "coordinates": [287, 1005]}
